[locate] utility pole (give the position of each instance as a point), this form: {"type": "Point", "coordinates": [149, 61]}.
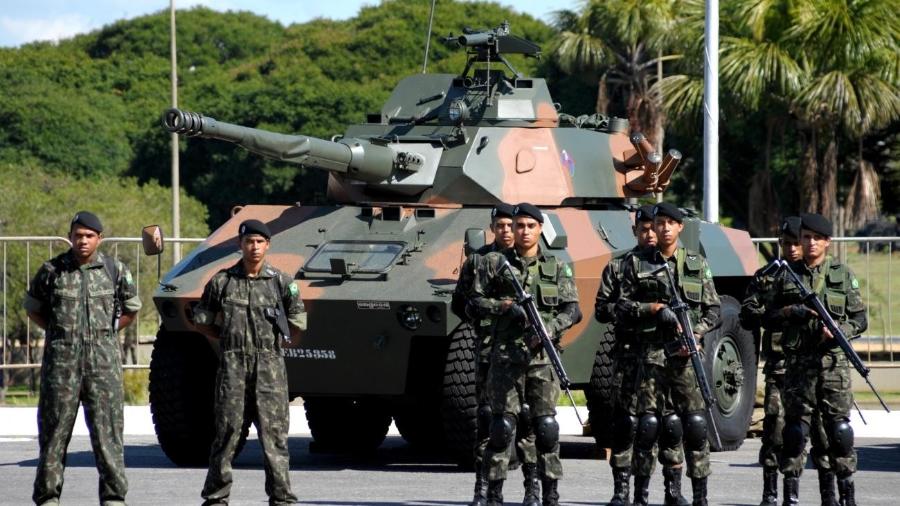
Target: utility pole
{"type": "Point", "coordinates": [176, 191]}
{"type": "Point", "coordinates": [711, 114]}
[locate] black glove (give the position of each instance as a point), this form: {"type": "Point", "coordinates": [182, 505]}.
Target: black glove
{"type": "Point", "coordinates": [625, 310]}
{"type": "Point", "coordinates": [517, 313]}
{"type": "Point", "coordinates": [798, 313]}
{"type": "Point", "coordinates": [532, 339]}
{"type": "Point", "coordinates": [667, 318]}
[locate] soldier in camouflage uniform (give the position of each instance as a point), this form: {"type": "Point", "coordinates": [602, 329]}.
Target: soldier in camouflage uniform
{"type": "Point", "coordinates": [81, 298]}
{"type": "Point", "coordinates": [249, 308]}
{"type": "Point", "coordinates": [759, 294]}
{"type": "Point", "coordinates": [518, 362]}
{"type": "Point", "coordinates": [502, 228]}
{"type": "Point", "coordinates": [669, 401]}
{"type": "Point", "coordinates": [627, 368]}
{"type": "Point", "coordinates": [818, 373]}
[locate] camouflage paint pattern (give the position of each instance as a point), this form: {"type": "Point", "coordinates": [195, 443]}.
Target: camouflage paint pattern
{"type": "Point", "coordinates": [81, 363]}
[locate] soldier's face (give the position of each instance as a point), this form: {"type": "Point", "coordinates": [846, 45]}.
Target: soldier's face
{"type": "Point", "coordinates": [503, 232]}
{"type": "Point", "coordinates": [254, 247]}
{"type": "Point", "coordinates": [528, 232]}
{"type": "Point", "coordinates": [814, 245]}
{"type": "Point", "coordinates": [791, 249]}
{"type": "Point", "coordinates": [646, 236]}
{"type": "Point", "coordinates": [84, 241]}
{"type": "Point", "coordinates": [667, 230]}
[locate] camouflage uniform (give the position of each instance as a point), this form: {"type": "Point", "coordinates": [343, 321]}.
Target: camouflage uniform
{"type": "Point", "coordinates": [515, 367]}
{"type": "Point", "coordinates": [251, 376]}
{"type": "Point", "coordinates": [668, 386]}
{"type": "Point", "coordinates": [81, 363]}
{"type": "Point", "coordinates": [818, 373]}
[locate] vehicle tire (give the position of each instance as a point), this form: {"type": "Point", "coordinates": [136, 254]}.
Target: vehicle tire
{"type": "Point", "coordinates": [182, 391]}
{"type": "Point", "coordinates": [601, 391]}
{"type": "Point", "coordinates": [346, 425]}
{"type": "Point", "coordinates": [729, 361]}
{"type": "Point", "coordinates": [459, 406]}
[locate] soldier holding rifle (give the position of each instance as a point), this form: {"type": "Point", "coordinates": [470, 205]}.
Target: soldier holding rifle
{"type": "Point", "coordinates": [518, 361]}
{"type": "Point", "coordinates": [818, 372]}
{"type": "Point", "coordinates": [670, 403]}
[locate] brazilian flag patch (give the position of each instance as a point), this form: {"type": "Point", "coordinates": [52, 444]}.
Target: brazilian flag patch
{"type": "Point", "coordinates": [854, 283]}
{"type": "Point", "coordinates": [568, 271]}
{"type": "Point", "coordinates": [129, 281]}
{"type": "Point", "coordinates": [294, 290]}
{"type": "Point", "coordinates": [708, 273]}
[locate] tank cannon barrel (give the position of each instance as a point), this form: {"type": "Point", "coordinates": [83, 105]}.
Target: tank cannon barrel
{"type": "Point", "coordinates": [354, 158]}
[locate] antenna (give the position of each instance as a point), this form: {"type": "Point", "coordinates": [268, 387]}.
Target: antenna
{"type": "Point", "coordinates": [428, 37]}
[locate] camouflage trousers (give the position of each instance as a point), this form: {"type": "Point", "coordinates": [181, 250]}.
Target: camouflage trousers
{"type": "Point", "coordinates": [541, 392]}
{"type": "Point", "coordinates": [256, 384]}
{"type": "Point", "coordinates": [665, 390]}
{"type": "Point", "coordinates": [525, 449]}
{"type": "Point", "coordinates": [818, 384]}
{"type": "Point", "coordinates": [773, 426]}
{"type": "Point", "coordinates": [89, 372]}
{"type": "Point", "coordinates": [626, 379]}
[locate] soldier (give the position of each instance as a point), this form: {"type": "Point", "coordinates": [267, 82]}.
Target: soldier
{"type": "Point", "coordinates": [250, 307]}
{"type": "Point", "coordinates": [518, 362]}
{"type": "Point", "coordinates": [759, 294]}
{"type": "Point", "coordinates": [81, 298]}
{"type": "Point", "coordinates": [818, 373]}
{"type": "Point", "coordinates": [627, 362]}
{"type": "Point", "coordinates": [502, 228]}
{"type": "Point", "coordinates": [669, 401]}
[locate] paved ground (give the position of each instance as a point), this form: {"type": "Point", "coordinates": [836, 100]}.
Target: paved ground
{"type": "Point", "coordinates": [398, 475]}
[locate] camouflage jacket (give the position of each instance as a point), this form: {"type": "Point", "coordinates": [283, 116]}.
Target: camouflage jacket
{"type": "Point", "coordinates": [758, 297]}
{"type": "Point", "coordinates": [640, 288]}
{"type": "Point", "coordinates": [80, 301]}
{"type": "Point", "coordinates": [607, 297]}
{"type": "Point", "coordinates": [466, 277]}
{"type": "Point", "coordinates": [838, 289]}
{"type": "Point", "coordinates": [243, 308]}
{"type": "Point", "coordinates": [549, 281]}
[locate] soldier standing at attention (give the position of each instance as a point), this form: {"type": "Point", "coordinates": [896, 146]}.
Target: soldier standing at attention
{"type": "Point", "coordinates": [502, 228]}
{"type": "Point", "coordinates": [81, 298]}
{"type": "Point", "coordinates": [247, 307]}
{"type": "Point", "coordinates": [518, 362]}
{"type": "Point", "coordinates": [669, 401]}
{"type": "Point", "coordinates": [759, 294]}
{"type": "Point", "coordinates": [627, 363]}
{"type": "Point", "coordinates": [818, 373]}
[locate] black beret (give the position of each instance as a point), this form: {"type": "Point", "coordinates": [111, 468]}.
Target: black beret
{"type": "Point", "coordinates": [790, 227]}
{"type": "Point", "coordinates": [817, 223]}
{"type": "Point", "coordinates": [503, 210]}
{"type": "Point", "coordinates": [644, 213]}
{"type": "Point", "coordinates": [87, 219]}
{"type": "Point", "coordinates": [530, 210]}
{"type": "Point", "coordinates": [250, 227]}
{"type": "Point", "coordinates": [670, 210]}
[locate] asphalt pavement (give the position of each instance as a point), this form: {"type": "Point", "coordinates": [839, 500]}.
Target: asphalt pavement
{"type": "Point", "coordinates": [397, 474]}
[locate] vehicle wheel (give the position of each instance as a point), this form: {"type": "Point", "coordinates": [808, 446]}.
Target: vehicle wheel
{"type": "Point", "coordinates": [415, 422]}
{"type": "Point", "coordinates": [345, 424]}
{"type": "Point", "coordinates": [182, 390]}
{"type": "Point", "coordinates": [600, 392]}
{"type": "Point", "coordinates": [730, 363]}
{"type": "Point", "coordinates": [459, 405]}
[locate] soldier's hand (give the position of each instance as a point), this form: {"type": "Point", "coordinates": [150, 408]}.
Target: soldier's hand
{"type": "Point", "coordinates": [798, 313]}
{"type": "Point", "coordinates": [826, 334]}
{"type": "Point", "coordinates": [517, 313]}
{"type": "Point", "coordinates": [532, 340]}
{"type": "Point", "coordinates": [667, 318]}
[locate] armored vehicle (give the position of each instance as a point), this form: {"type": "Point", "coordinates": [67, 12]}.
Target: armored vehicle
{"type": "Point", "coordinates": [412, 188]}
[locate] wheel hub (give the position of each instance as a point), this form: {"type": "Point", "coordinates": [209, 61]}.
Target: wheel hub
{"type": "Point", "coordinates": [728, 375]}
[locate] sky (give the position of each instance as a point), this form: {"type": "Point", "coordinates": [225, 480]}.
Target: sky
{"type": "Point", "coordinates": [23, 21]}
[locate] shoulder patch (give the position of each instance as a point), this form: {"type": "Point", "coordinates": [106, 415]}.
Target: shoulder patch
{"type": "Point", "coordinates": [128, 279]}
{"type": "Point", "coordinates": [854, 283]}
{"type": "Point", "coordinates": [708, 273]}
{"type": "Point", "coordinates": [567, 270]}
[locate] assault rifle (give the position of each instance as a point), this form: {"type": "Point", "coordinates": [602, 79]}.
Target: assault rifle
{"type": "Point", "coordinates": [812, 300]}
{"type": "Point", "coordinates": [689, 341]}
{"type": "Point", "coordinates": [526, 300]}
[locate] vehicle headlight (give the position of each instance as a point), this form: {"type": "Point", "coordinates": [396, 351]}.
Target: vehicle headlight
{"type": "Point", "coordinates": [458, 111]}
{"type": "Point", "coordinates": [409, 317]}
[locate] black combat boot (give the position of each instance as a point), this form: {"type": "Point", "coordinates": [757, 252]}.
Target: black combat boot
{"type": "Point", "coordinates": [532, 485]}
{"type": "Point", "coordinates": [480, 497]}
{"type": "Point", "coordinates": [847, 491]}
{"type": "Point", "coordinates": [548, 492]}
{"type": "Point", "coordinates": [791, 491]}
{"type": "Point", "coordinates": [495, 493]}
{"type": "Point", "coordinates": [699, 488]}
{"type": "Point", "coordinates": [672, 484]}
{"type": "Point", "coordinates": [770, 487]}
{"type": "Point", "coordinates": [641, 490]}
{"type": "Point", "coordinates": [621, 476]}
{"type": "Point", "coordinates": [826, 487]}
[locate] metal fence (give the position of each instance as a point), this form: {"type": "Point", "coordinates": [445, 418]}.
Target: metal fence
{"type": "Point", "coordinates": [21, 342]}
{"type": "Point", "coordinates": [872, 261]}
